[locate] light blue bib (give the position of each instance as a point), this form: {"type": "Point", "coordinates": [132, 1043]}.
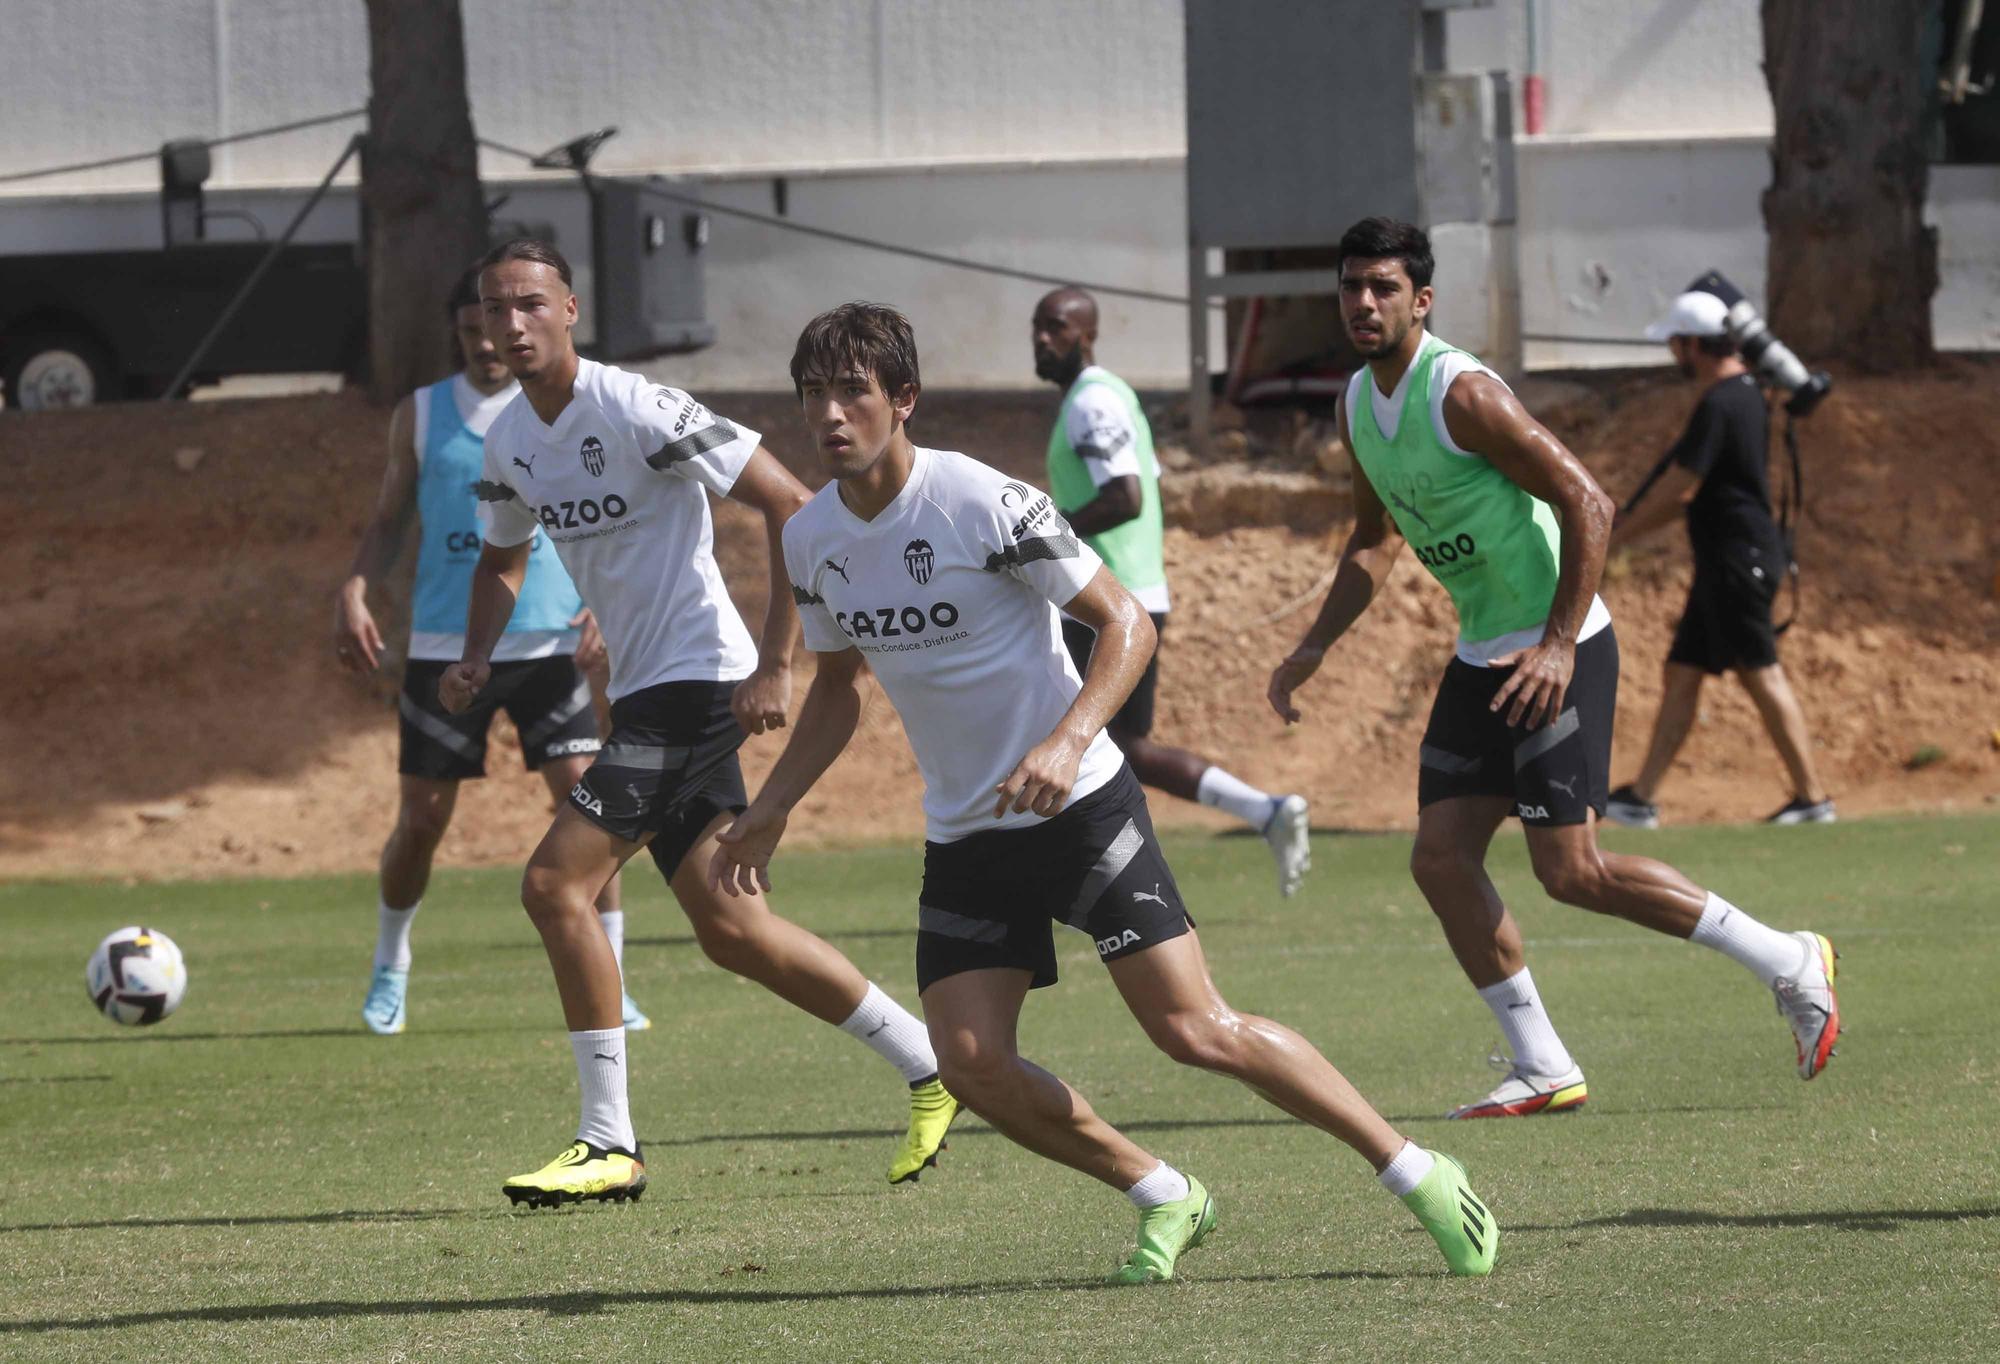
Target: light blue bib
{"type": "Point", "coordinates": [449, 542]}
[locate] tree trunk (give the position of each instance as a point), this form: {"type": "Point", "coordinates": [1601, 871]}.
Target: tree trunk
{"type": "Point", "coordinates": [1852, 266]}
{"type": "Point", "coordinates": [420, 192]}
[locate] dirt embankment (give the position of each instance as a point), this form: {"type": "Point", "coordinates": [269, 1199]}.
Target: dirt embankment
{"type": "Point", "coordinates": [170, 705]}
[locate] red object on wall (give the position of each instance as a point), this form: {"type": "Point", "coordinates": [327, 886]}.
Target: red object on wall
{"type": "Point", "coordinates": [1534, 92]}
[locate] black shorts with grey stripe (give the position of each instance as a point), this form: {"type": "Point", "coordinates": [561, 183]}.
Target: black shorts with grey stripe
{"type": "Point", "coordinates": [1555, 774]}
{"type": "Point", "coordinates": [547, 699]}
{"type": "Point", "coordinates": [667, 770]}
{"type": "Point", "coordinates": [992, 899]}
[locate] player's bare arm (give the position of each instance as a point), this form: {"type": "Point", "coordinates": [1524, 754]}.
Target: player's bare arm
{"type": "Point", "coordinates": [761, 700]}
{"type": "Point", "coordinates": [357, 643]}
{"type": "Point", "coordinates": [1116, 503]}
{"type": "Point", "coordinates": [1365, 564]}
{"type": "Point", "coordinates": [1483, 416]}
{"type": "Point", "coordinates": [496, 585]}
{"type": "Point", "coordinates": [833, 705]}
{"type": "Point", "coordinates": [1662, 504]}
{"type": "Point", "coordinates": [1045, 776]}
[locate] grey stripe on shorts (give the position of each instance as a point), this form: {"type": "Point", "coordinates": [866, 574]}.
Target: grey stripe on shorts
{"type": "Point", "coordinates": [931, 919]}
{"type": "Point", "coordinates": [438, 729]}
{"type": "Point", "coordinates": [560, 716]}
{"type": "Point", "coordinates": [1542, 740]}
{"type": "Point", "coordinates": [1114, 860]}
{"type": "Point", "coordinates": [642, 757]}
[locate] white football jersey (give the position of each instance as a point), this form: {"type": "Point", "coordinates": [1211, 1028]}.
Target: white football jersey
{"type": "Point", "coordinates": [951, 593]}
{"type": "Point", "coordinates": [620, 483]}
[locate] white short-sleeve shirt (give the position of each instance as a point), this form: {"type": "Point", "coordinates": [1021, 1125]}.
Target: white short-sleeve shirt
{"type": "Point", "coordinates": [951, 593]}
{"type": "Point", "coordinates": [619, 483]}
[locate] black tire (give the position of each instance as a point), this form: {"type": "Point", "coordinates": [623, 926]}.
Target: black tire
{"type": "Point", "coordinates": [58, 369]}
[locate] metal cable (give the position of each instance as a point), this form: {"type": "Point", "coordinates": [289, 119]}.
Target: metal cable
{"type": "Point", "coordinates": [654, 188]}
{"type": "Point", "coordinates": [77, 167]}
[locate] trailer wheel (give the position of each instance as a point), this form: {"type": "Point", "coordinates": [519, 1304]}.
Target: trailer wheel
{"type": "Point", "coordinates": [53, 370]}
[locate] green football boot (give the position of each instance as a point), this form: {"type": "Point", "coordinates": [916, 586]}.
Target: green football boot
{"type": "Point", "coordinates": [1452, 1213]}
{"type": "Point", "coordinates": [932, 1109]}
{"type": "Point", "coordinates": [1165, 1233]}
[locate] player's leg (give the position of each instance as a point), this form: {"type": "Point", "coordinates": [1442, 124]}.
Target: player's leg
{"type": "Point", "coordinates": [1448, 862]}
{"type": "Point", "coordinates": [552, 710]}
{"type": "Point", "coordinates": [568, 870]}
{"type": "Point", "coordinates": [1559, 792]}
{"type": "Point", "coordinates": [562, 775]}
{"type": "Point", "coordinates": [1785, 721]}
{"type": "Point", "coordinates": [973, 1016]}
{"type": "Point", "coordinates": [437, 750]}
{"type": "Point", "coordinates": [1284, 821]}
{"type": "Point", "coordinates": [1636, 804]}
{"type": "Point", "coordinates": [1168, 988]}
{"type": "Point", "coordinates": [741, 934]}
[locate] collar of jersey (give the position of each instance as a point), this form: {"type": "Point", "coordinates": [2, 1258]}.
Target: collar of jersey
{"type": "Point", "coordinates": [1395, 399]}
{"type": "Point", "coordinates": [560, 426]}
{"type": "Point", "coordinates": [920, 466]}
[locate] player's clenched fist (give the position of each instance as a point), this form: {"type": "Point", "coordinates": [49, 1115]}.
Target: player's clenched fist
{"type": "Point", "coordinates": [462, 681]}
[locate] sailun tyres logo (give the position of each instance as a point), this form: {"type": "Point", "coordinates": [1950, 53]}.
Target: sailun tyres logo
{"type": "Point", "coordinates": [592, 451]}
{"type": "Point", "coordinates": [918, 558]}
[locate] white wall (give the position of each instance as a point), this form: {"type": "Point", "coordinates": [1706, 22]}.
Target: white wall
{"type": "Point", "coordinates": [692, 84]}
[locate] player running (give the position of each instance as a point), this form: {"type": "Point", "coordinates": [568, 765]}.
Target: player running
{"type": "Point", "coordinates": [436, 450]}
{"type": "Point", "coordinates": [1504, 516]}
{"type": "Point", "coordinates": [1106, 483]}
{"type": "Point", "coordinates": [616, 471]}
{"type": "Point", "coordinates": [945, 577]}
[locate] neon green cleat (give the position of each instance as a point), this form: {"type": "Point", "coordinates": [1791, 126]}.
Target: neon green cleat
{"type": "Point", "coordinates": [583, 1173]}
{"type": "Point", "coordinates": [1452, 1213]}
{"type": "Point", "coordinates": [1165, 1234]}
{"type": "Point", "coordinates": [932, 1109]}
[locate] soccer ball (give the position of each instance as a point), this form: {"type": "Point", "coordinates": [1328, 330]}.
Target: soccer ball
{"type": "Point", "coordinates": [136, 976]}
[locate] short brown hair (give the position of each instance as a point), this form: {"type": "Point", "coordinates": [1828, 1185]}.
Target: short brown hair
{"type": "Point", "coordinates": [464, 294]}
{"type": "Point", "coordinates": [859, 338]}
{"type": "Point", "coordinates": [528, 249]}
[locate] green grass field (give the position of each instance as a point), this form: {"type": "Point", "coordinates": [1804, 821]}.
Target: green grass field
{"type": "Point", "coordinates": [258, 1178]}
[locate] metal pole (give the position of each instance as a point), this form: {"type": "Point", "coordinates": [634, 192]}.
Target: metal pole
{"type": "Point", "coordinates": [263, 267]}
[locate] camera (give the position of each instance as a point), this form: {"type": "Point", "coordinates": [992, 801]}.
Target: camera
{"type": "Point", "coordinates": [1765, 353]}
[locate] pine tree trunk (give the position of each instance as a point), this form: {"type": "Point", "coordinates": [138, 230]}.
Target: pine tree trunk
{"type": "Point", "coordinates": [1852, 266]}
{"type": "Point", "coordinates": [419, 189]}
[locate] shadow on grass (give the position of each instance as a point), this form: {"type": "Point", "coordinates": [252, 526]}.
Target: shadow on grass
{"type": "Point", "coordinates": [148, 1037]}
{"type": "Point", "coordinates": [53, 1079]}
{"type": "Point", "coordinates": [587, 1304]}
{"type": "Point", "coordinates": [1882, 1219]}
{"type": "Point", "coordinates": [304, 1219]}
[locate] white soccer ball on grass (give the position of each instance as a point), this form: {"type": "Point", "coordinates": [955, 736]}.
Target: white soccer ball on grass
{"type": "Point", "coordinates": [136, 976]}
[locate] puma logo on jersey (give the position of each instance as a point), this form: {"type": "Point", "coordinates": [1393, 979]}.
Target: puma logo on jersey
{"type": "Point", "coordinates": [580, 795]}
{"type": "Point", "coordinates": [1412, 511]}
{"type": "Point", "coordinates": [528, 464]}
{"type": "Point", "coordinates": [1106, 946]}
{"type": "Point", "coordinates": [1568, 788]}
{"type": "Point", "coordinates": [1155, 897]}
{"type": "Point", "coordinates": [841, 568]}
{"type": "Point", "coordinates": [1533, 811]}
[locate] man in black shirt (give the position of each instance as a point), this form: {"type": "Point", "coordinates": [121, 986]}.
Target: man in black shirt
{"type": "Point", "coordinates": [1716, 472]}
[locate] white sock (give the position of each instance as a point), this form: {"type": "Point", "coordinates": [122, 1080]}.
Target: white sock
{"type": "Point", "coordinates": [897, 1037]}
{"type": "Point", "coordinates": [392, 935]}
{"type": "Point", "coordinates": [614, 929]}
{"type": "Point", "coordinates": [1517, 1005]}
{"type": "Point", "coordinates": [600, 1073]}
{"type": "Point", "coordinates": [1402, 1175]}
{"type": "Point", "coordinates": [1220, 791]}
{"type": "Point", "coordinates": [1764, 950]}
{"type": "Point", "coordinates": [1164, 1185]}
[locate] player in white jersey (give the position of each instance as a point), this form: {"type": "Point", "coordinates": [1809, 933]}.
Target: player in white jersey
{"type": "Point", "coordinates": [434, 456]}
{"type": "Point", "coordinates": [616, 471]}
{"type": "Point", "coordinates": [945, 577]}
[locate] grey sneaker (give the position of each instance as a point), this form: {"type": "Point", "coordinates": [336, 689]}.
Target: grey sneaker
{"type": "Point", "coordinates": [1624, 806]}
{"type": "Point", "coordinates": [1799, 810]}
{"type": "Point", "coordinates": [1289, 833]}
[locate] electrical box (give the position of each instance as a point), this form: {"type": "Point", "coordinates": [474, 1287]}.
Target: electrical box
{"type": "Point", "coordinates": [647, 254]}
